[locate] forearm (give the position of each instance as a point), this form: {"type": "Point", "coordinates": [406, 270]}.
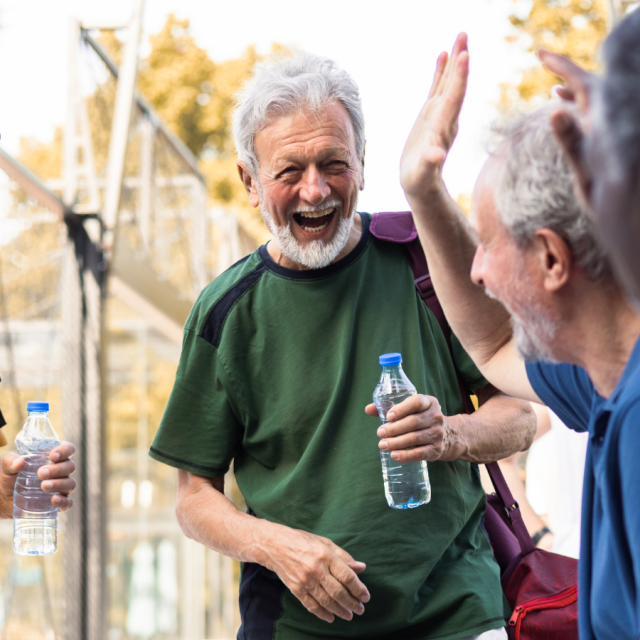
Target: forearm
{"type": "Point", "coordinates": [207, 516]}
{"type": "Point", "coordinates": [499, 428]}
{"type": "Point", "coordinates": [448, 243]}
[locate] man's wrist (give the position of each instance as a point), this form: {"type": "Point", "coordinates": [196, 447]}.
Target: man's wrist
{"type": "Point", "coordinates": [454, 446]}
{"type": "Point", "coordinates": [430, 197]}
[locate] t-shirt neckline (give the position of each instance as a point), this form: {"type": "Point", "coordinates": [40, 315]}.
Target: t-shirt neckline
{"type": "Point", "coordinates": [313, 274]}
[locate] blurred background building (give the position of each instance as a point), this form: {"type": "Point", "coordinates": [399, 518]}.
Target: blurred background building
{"type": "Point", "coordinates": [108, 232]}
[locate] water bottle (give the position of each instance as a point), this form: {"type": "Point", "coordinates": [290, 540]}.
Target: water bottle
{"type": "Point", "coordinates": [406, 484]}
{"type": "Point", "coordinates": [35, 519]}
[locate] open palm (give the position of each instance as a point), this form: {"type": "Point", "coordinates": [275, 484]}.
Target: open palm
{"type": "Point", "coordinates": [436, 127]}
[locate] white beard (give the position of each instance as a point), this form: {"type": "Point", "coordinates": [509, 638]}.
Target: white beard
{"type": "Point", "coordinates": [317, 253]}
{"type": "Point", "coordinates": [532, 332]}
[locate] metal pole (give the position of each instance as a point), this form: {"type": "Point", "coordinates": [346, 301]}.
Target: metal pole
{"type": "Point", "coordinates": [84, 544]}
{"type": "Point", "coordinates": [120, 129]}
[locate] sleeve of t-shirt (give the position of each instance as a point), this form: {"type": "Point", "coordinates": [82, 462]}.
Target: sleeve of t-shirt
{"type": "Point", "coordinates": [629, 469]}
{"type": "Point", "coordinates": [465, 366]}
{"type": "Point", "coordinates": [199, 430]}
{"type": "Point", "coordinates": [565, 389]}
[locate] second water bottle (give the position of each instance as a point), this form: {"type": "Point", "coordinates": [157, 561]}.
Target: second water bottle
{"type": "Point", "coordinates": [406, 484]}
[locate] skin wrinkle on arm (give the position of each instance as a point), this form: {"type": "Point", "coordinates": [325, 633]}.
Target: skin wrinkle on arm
{"type": "Point", "coordinates": [417, 429]}
{"type": "Point", "coordinates": [319, 573]}
{"type": "Point", "coordinates": [499, 428]}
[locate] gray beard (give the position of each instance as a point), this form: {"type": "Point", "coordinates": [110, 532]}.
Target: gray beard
{"type": "Point", "coordinates": [532, 333]}
{"type": "Point", "coordinates": [318, 253]}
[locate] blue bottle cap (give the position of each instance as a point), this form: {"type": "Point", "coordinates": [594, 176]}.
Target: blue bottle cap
{"type": "Point", "coordinates": [390, 359]}
{"type": "Point", "coordinates": [37, 406]}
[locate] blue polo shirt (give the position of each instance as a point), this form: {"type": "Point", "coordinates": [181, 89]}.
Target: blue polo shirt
{"type": "Point", "coordinates": [609, 574]}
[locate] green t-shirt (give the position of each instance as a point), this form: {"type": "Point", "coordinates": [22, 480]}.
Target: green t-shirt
{"type": "Point", "coordinates": [276, 369]}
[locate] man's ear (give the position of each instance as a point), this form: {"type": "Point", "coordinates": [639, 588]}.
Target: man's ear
{"type": "Point", "coordinates": [249, 183]}
{"type": "Point", "coordinates": [362, 169]}
{"type": "Point", "coordinates": [570, 134]}
{"type": "Point", "coordinates": [554, 259]}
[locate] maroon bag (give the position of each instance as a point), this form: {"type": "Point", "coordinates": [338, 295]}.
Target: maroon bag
{"type": "Point", "coordinates": [541, 587]}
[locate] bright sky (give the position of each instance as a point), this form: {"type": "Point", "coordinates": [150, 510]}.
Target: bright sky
{"type": "Point", "coordinates": [389, 48]}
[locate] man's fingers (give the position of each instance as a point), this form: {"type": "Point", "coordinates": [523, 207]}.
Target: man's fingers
{"type": "Point", "coordinates": [62, 503]}
{"type": "Point", "coordinates": [64, 486]}
{"type": "Point", "coordinates": [457, 89]}
{"type": "Point", "coordinates": [62, 452]}
{"type": "Point", "coordinates": [459, 48]}
{"type": "Point", "coordinates": [441, 65]}
{"type": "Point", "coordinates": [429, 453]}
{"type": "Point", "coordinates": [371, 410]}
{"type": "Point", "coordinates": [575, 77]}
{"type": "Point", "coordinates": [58, 470]}
{"type": "Point", "coordinates": [565, 94]}
{"type": "Point", "coordinates": [417, 437]}
{"type": "Point", "coordinates": [313, 606]}
{"type": "Point", "coordinates": [414, 404]}
{"type": "Point", "coordinates": [335, 588]}
{"type": "Point", "coordinates": [357, 567]}
{"type": "Point", "coordinates": [12, 463]}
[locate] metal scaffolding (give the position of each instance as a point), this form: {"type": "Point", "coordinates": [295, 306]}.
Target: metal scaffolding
{"type": "Point", "coordinates": [138, 232]}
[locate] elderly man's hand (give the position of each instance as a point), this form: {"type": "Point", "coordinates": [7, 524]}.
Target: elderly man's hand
{"type": "Point", "coordinates": [55, 478]}
{"type": "Point", "coordinates": [417, 430]}
{"type": "Point", "coordinates": [436, 126]}
{"type": "Point", "coordinates": [319, 573]}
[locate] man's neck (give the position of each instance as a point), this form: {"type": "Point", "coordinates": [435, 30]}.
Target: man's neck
{"type": "Point", "coordinates": [601, 336]}
{"type": "Point", "coordinates": [283, 260]}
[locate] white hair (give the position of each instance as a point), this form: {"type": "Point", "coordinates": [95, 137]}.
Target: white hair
{"type": "Point", "coordinates": [535, 189]}
{"type": "Point", "coordinates": [282, 85]}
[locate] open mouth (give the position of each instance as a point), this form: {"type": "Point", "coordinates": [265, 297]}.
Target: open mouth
{"type": "Point", "coordinates": [316, 221]}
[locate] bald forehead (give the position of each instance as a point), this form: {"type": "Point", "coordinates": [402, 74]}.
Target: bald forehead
{"type": "Point", "coordinates": [484, 190]}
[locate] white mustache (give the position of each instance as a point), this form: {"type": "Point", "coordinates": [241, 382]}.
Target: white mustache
{"type": "Point", "coordinates": [321, 207]}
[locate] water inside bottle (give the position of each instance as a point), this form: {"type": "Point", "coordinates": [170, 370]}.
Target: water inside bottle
{"type": "Point", "coordinates": [406, 484]}
{"type": "Point", "coordinates": [35, 530]}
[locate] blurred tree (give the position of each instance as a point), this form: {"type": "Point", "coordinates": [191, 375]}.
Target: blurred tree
{"type": "Point", "coordinates": [195, 97]}
{"type": "Point", "coordinates": [573, 28]}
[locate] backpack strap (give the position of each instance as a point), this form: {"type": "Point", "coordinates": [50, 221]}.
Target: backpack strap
{"type": "Point", "coordinates": [399, 228]}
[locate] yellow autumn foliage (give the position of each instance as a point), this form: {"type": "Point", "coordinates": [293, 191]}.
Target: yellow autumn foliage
{"type": "Point", "coordinates": [573, 28]}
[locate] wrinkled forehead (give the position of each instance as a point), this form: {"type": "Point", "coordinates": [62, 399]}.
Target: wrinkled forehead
{"type": "Point", "coordinates": [304, 130]}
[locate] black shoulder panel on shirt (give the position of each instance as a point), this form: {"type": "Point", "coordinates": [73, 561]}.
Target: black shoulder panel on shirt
{"type": "Point", "coordinates": [212, 329]}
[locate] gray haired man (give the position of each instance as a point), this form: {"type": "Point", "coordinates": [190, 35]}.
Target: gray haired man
{"type": "Point", "coordinates": [534, 249]}
{"type": "Point", "coordinates": [280, 356]}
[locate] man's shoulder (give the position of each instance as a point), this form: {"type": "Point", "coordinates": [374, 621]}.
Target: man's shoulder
{"type": "Point", "coordinates": [566, 389]}
{"type": "Point", "coordinates": [220, 295]}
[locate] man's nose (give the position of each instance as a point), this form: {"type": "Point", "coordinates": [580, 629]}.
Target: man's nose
{"type": "Point", "coordinates": [477, 267]}
{"type": "Point", "coordinates": [314, 188]}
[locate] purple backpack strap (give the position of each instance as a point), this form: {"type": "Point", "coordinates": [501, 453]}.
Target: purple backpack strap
{"type": "Point", "coordinates": [398, 227]}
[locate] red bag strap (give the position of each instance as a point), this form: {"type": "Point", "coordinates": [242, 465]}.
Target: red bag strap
{"type": "Point", "coordinates": [398, 227]}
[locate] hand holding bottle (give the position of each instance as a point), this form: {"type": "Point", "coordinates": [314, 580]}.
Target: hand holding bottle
{"type": "Point", "coordinates": [55, 477]}
{"type": "Point", "coordinates": [416, 430]}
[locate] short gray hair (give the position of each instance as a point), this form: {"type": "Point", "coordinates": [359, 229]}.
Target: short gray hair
{"type": "Point", "coordinates": [281, 85]}
{"type": "Point", "coordinates": [617, 94]}
{"type": "Point", "coordinates": [535, 189]}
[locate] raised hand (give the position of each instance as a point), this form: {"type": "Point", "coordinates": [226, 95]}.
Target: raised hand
{"type": "Point", "coordinates": [55, 478]}
{"type": "Point", "coordinates": [436, 127]}
{"type": "Point", "coordinates": [569, 129]}
{"type": "Point", "coordinates": [577, 80]}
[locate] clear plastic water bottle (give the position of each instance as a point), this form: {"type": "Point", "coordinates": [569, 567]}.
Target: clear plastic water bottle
{"type": "Point", "coordinates": [35, 519]}
{"type": "Point", "coordinates": [406, 484]}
